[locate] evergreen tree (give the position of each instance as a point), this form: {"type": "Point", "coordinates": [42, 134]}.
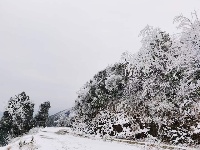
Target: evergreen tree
{"type": "Point", "coordinates": [17, 119]}
{"type": "Point", "coordinates": [5, 128]}
{"type": "Point", "coordinates": [21, 109]}
{"type": "Point", "coordinates": [41, 117]}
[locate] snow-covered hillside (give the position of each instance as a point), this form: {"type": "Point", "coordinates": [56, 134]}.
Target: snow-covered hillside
{"type": "Point", "coordinates": [156, 92]}
{"type": "Point", "coordinates": [61, 118]}
{"type": "Point", "coordinates": [62, 138]}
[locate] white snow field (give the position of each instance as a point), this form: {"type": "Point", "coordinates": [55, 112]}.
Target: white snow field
{"type": "Point", "coordinates": [56, 138]}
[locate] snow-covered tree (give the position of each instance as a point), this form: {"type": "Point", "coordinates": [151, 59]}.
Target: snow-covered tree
{"type": "Point", "coordinates": [5, 128]}
{"type": "Point", "coordinates": [17, 119]}
{"type": "Point", "coordinates": [190, 55]}
{"type": "Point", "coordinates": [21, 109]}
{"type": "Point", "coordinates": [107, 85]}
{"type": "Point", "coordinates": [41, 117]}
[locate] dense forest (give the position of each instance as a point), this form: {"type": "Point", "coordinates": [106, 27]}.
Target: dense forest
{"type": "Point", "coordinates": [154, 93]}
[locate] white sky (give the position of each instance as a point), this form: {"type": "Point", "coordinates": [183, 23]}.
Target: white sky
{"type": "Point", "coordinates": [50, 48]}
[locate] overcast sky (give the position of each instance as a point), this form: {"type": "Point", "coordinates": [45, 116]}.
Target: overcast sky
{"type": "Point", "coordinates": [50, 48]}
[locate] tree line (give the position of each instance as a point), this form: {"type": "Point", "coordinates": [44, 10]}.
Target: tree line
{"type": "Point", "coordinates": [18, 117]}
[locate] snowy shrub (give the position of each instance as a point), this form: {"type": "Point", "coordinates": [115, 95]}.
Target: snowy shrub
{"type": "Point", "coordinates": [28, 145]}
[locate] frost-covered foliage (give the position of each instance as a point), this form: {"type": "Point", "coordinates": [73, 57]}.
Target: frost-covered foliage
{"type": "Point", "coordinates": [5, 127]}
{"type": "Point", "coordinates": [157, 90]}
{"type": "Point", "coordinates": [41, 118]}
{"type": "Point", "coordinates": [21, 110]}
{"type": "Point", "coordinates": [107, 85]}
{"type": "Point", "coordinates": [17, 118]}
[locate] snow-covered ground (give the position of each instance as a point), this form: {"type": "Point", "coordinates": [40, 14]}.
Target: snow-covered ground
{"type": "Point", "coordinates": [63, 139]}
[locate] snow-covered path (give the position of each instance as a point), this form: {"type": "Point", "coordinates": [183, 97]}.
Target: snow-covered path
{"type": "Point", "coordinates": [56, 138]}
{"type": "Point", "coordinates": [53, 139]}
